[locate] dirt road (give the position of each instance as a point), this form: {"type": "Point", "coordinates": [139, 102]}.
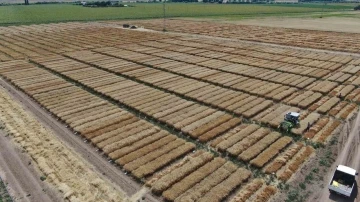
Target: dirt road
{"type": "Point", "coordinates": [23, 181]}
{"type": "Point", "coordinates": [349, 155]}
{"type": "Point", "coordinates": [89, 153]}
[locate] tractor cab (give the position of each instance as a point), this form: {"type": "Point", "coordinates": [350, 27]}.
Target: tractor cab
{"type": "Point", "coordinates": [292, 117]}
{"type": "Point", "coordinates": [291, 120]}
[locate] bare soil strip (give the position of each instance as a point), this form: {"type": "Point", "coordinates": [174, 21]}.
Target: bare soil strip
{"type": "Point", "coordinates": [4, 194]}
{"type": "Point", "coordinates": [23, 181]}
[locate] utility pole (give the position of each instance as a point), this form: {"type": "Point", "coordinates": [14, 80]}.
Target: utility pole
{"type": "Point", "coordinates": [322, 10]}
{"type": "Point", "coordinates": [164, 11]}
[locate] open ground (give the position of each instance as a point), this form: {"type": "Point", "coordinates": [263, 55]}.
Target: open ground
{"type": "Point", "coordinates": [190, 114]}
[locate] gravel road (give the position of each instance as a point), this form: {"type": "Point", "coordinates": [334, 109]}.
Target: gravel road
{"type": "Point", "coordinates": [23, 181]}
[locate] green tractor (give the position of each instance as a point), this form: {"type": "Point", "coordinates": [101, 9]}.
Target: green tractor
{"type": "Point", "coordinates": [291, 120]}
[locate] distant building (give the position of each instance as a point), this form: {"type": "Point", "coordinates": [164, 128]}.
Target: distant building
{"type": "Point", "coordinates": [286, 1]}
{"type": "Point", "coordinates": [244, 1]}
{"type": "Point", "coordinates": [114, 2]}
{"type": "Point", "coordinates": [133, 1]}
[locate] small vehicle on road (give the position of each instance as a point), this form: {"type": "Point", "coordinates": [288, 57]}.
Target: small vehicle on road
{"type": "Point", "coordinates": [343, 181]}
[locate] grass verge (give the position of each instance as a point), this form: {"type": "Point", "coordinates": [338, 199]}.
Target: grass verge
{"type": "Point", "coordinates": [47, 13]}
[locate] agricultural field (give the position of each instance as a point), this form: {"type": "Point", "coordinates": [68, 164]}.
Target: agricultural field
{"type": "Point", "coordinates": [58, 165]}
{"type": "Point", "coordinates": [48, 13]}
{"type": "Point", "coordinates": [192, 118]}
{"type": "Point", "coordinates": [340, 41]}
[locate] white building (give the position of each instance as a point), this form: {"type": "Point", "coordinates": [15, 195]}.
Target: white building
{"type": "Point", "coordinates": [286, 1]}
{"type": "Point", "coordinates": [244, 1]}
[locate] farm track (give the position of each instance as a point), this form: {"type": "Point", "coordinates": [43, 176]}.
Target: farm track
{"type": "Point", "coordinates": [88, 152]}
{"type": "Point", "coordinates": [24, 182]}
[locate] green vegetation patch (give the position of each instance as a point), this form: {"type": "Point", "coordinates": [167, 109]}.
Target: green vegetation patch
{"type": "Point", "coordinates": [4, 195]}
{"type": "Point", "coordinates": [47, 13]}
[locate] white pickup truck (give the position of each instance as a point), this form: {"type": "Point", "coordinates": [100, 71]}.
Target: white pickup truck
{"type": "Point", "coordinates": [343, 181]}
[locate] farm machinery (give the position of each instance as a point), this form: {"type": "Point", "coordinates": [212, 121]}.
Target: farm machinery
{"type": "Point", "coordinates": [291, 120]}
{"type": "Point", "coordinates": [343, 181]}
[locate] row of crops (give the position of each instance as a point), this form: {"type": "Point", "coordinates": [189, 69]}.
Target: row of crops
{"type": "Point", "coordinates": [239, 103]}
{"type": "Point", "coordinates": [303, 100]}
{"type": "Point", "coordinates": [197, 121]}
{"type": "Point", "coordinates": [333, 68]}
{"type": "Point", "coordinates": [41, 40]}
{"type": "Point", "coordinates": [292, 37]}
{"type": "Point", "coordinates": [208, 85]}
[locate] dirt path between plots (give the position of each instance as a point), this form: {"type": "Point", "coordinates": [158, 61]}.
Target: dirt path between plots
{"type": "Point", "coordinates": [349, 155]}
{"type": "Point", "coordinates": [23, 180]}
{"type": "Point", "coordinates": [86, 151]}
